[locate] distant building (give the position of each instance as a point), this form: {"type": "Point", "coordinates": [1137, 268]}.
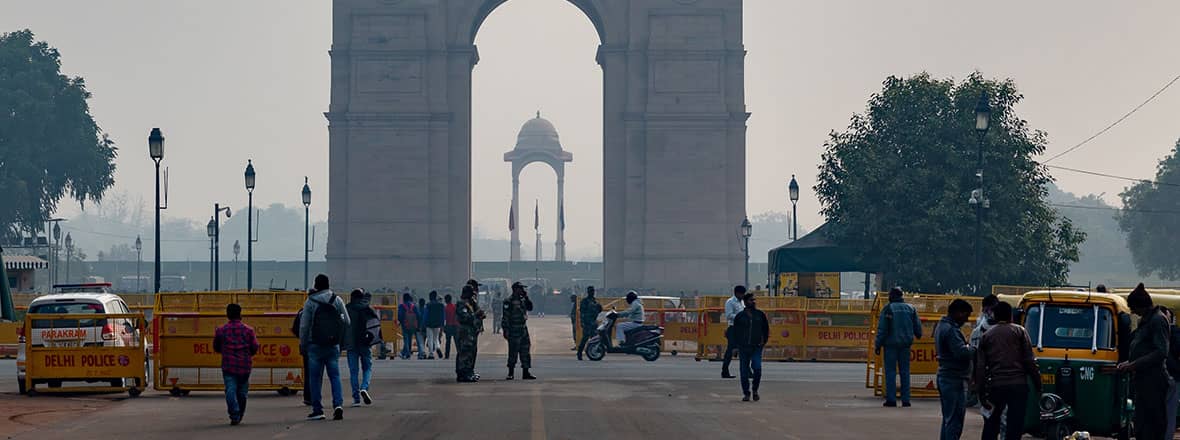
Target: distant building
{"type": "Point", "coordinates": [22, 270]}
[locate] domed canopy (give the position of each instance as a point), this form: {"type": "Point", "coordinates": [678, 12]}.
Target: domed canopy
{"type": "Point", "coordinates": [538, 134]}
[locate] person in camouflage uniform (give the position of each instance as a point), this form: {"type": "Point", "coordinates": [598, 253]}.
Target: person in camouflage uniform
{"type": "Point", "coordinates": [589, 311]}
{"type": "Point", "coordinates": [514, 325]}
{"type": "Point", "coordinates": [467, 341]}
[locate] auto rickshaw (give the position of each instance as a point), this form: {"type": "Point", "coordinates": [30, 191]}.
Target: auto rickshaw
{"type": "Point", "coordinates": [1078, 339]}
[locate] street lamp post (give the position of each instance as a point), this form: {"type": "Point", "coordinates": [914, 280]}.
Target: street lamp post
{"type": "Point", "coordinates": [69, 255]}
{"type": "Point", "coordinates": [250, 178]}
{"type": "Point", "coordinates": [138, 261]}
{"type": "Point", "coordinates": [306, 194]}
{"type": "Point", "coordinates": [237, 250]}
{"type": "Point", "coordinates": [217, 209]}
{"type": "Point", "coordinates": [210, 229]}
{"type": "Point", "coordinates": [56, 250]}
{"type": "Point", "coordinates": [747, 230]}
{"type": "Point", "coordinates": [156, 151]}
{"type": "Point", "coordinates": [793, 188]}
{"type": "Point", "coordinates": [978, 198]}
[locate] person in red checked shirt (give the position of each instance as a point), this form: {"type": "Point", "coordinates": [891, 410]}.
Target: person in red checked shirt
{"type": "Point", "coordinates": [237, 344]}
{"type": "Point", "coordinates": [451, 321]}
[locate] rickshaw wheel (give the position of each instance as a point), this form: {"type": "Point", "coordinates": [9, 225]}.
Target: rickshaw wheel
{"type": "Point", "coordinates": [1057, 431]}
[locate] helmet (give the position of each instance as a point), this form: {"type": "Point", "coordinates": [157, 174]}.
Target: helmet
{"type": "Point", "coordinates": [632, 296]}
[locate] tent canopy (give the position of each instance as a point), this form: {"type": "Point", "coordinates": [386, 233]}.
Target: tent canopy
{"type": "Point", "coordinates": [815, 253]}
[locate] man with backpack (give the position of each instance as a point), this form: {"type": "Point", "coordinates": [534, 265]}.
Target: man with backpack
{"type": "Point", "coordinates": [323, 331]}
{"type": "Point", "coordinates": [407, 317]}
{"type": "Point", "coordinates": [366, 332]}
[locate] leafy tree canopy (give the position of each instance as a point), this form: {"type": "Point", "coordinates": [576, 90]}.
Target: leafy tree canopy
{"type": "Point", "coordinates": [896, 183]}
{"type": "Point", "coordinates": [1148, 217]}
{"type": "Point", "coordinates": [50, 146]}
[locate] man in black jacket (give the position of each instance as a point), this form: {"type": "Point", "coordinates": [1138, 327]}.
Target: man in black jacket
{"type": "Point", "coordinates": [1149, 376]}
{"type": "Point", "coordinates": [750, 332]}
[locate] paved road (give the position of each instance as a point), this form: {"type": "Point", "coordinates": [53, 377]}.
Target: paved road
{"type": "Point", "coordinates": [620, 397]}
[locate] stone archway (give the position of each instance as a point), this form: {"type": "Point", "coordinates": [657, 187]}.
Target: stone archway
{"type": "Point", "coordinates": [674, 123]}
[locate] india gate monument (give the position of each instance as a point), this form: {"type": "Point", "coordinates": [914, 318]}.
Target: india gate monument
{"type": "Point", "coordinates": [674, 151]}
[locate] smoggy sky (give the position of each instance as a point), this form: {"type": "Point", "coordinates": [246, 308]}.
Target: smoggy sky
{"type": "Point", "coordinates": [231, 80]}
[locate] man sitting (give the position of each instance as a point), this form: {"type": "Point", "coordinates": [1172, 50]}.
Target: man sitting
{"type": "Point", "coordinates": [629, 319]}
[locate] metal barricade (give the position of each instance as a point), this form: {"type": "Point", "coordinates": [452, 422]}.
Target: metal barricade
{"type": "Point", "coordinates": [184, 327]}
{"type": "Point", "coordinates": [9, 339]}
{"type": "Point", "coordinates": [106, 348]}
{"type": "Point", "coordinates": [680, 329]}
{"type": "Point", "coordinates": [838, 330]}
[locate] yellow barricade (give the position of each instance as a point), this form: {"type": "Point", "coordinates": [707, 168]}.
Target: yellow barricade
{"type": "Point", "coordinates": [185, 324]}
{"type": "Point", "coordinates": [923, 359]}
{"type": "Point", "coordinates": [122, 367]}
{"type": "Point", "coordinates": [680, 329]}
{"type": "Point", "coordinates": [9, 339]}
{"type": "Point", "coordinates": [391, 331]}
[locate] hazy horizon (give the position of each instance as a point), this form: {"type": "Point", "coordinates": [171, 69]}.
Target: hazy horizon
{"type": "Point", "coordinates": [232, 81]}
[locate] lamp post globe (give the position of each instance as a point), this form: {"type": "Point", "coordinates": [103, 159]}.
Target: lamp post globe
{"type": "Point", "coordinates": [251, 178]}
{"type": "Point", "coordinates": [156, 144]}
{"type": "Point", "coordinates": [747, 230]}
{"type": "Point", "coordinates": [250, 175]}
{"type": "Point", "coordinates": [983, 113]}
{"type": "Point", "coordinates": [306, 193]}
{"type": "Point", "coordinates": [793, 190]}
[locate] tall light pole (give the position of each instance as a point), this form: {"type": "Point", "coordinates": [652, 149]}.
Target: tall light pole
{"type": "Point", "coordinates": [250, 177]}
{"type": "Point", "coordinates": [747, 230]}
{"type": "Point", "coordinates": [237, 250]}
{"type": "Point", "coordinates": [793, 188]}
{"type": "Point", "coordinates": [69, 255]}
{"type": "Point", "coordinates": [210, 229]}
{"type": "Point", "coordinates": [56, 249]}
{"type": "Point", "coordinates": [306, 225]}
{"type": "Point", "coordinates": [978, 198]}
{"type": "Point", "coordinates": [217, 209]}
{"type": "Point", "coordinates": [138, 261]}
{"type": "Point", "coordinates": [156, 151]}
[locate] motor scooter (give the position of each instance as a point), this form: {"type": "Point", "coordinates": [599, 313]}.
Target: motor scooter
{"type": "Point", "coordinates": [642, 340]}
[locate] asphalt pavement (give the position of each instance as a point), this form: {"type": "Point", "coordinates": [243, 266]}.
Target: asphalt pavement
{"type": "Point", "coordinates": [619, 397]}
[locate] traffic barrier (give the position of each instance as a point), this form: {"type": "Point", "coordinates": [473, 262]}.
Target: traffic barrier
{"type": "Point", "coordinates": [680, 329]}
{"type": "Point", "coordinates": [9, 339]}
{"type": "Point", "coordinates": [838, 330]}
{"type": "Point", "coordinates": [185, 324]}
{"type": "Point", "coordinates": [391, 331]}
{"type": "Point", "coordinates": [67, 353]}
{"type": "Point", "coordinates": [923, 359]}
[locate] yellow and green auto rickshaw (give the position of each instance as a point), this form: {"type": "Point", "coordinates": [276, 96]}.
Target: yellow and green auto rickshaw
{"type": "Point", "coordinates": [1078, 339]}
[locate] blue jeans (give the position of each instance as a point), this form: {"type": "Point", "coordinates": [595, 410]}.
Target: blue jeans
{"type": "Point", "coordinates": [407, 342]}
{"type": "Point", "coordinates": [364, 357]}
{"type": "Point", "coordinates": [236, 387]}
{"type": "Point", "coordinates": [750, 364]}
{"type": "Point", "coordinates": [319, 358]}
{"type": "Point", "coordinates": [897, 360]}
{"type": "Point", "coordinates": [952, 392]}
{"type": "Point", "coordinates": [1173, 402]}
{"type": "Point", "coordinates": [419, 335]}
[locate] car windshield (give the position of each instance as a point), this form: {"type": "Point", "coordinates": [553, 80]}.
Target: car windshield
{"type": "Point", "coordinates": [63, 308]}
{"type": "Point", "coordinates": [1070, 326]}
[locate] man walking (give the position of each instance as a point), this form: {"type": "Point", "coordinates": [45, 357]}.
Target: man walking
{"type": "Point", "coordinates": [407, 318]}
{"type": "Point", "coordinates": [451, 321]}
{"type": "Point", "coordinates": [323, 332]}
{"type": "Point", "coordinates": [1004, 365]}
{"type": "Point", "coordinates": [360, 356]}
{"type": "Point", "coordinates": [237, 344]}
{"type": "Point", "coordinates": [588, 311]}
{"type": "Point", "coordinates": [470, 319]}
{"type": "Point", "coordinates": [733, 306]}
{"type": "Point", "coordinates": [435, 318]}
{"type": "Point", "coordinates": [954, 366]}
{"type": "Point", "coordinates": [1149, 377]}
{"type": "Point", "coordinates": [897, 327]}
{"type": "Point", "coordinates": [514, 322]}
{"type": "Point", "coordinates": [750, 332]}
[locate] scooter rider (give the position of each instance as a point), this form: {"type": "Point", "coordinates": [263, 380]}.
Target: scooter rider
{"type": "Point", "coordinates": [630, 318]}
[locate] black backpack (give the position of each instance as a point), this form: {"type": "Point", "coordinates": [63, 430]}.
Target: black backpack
{"type": "Point", "coordinates": [327, 328]}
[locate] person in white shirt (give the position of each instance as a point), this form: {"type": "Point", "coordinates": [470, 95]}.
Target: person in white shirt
{"type": "Point", "coordinates": [732, 307]}
{"type": "Point", "coordinates": [630, 318]}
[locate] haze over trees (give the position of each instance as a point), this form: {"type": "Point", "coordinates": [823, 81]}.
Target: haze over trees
{"type": "Point", "coordinates": [895, 186]}
{"type": "Point", "coordinates": [50, 145]}
{"type": "Point", "coordinates": [1149, 217]}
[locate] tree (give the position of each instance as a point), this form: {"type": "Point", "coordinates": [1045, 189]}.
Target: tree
{"type": "Point", "coordinates": [895, 185]}
{"type": "Point", "coordinates": [1149, 219]}
{"type": "Point", "coordinates": [50, 146]}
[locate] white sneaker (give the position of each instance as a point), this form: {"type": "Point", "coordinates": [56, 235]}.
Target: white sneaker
{"type": "Point", "coordinates": [365, 395]}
